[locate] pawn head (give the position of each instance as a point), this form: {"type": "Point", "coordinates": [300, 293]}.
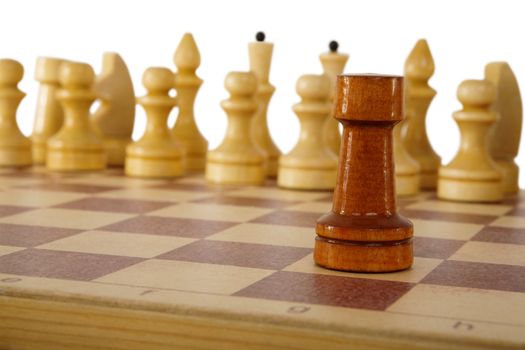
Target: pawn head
{"type": "Point", "coordinates": [47, 68]}
{"type": "Point", "coordinates": [158, 79]}
{"type": "Point", "coordinates": [76, 75]}
{"type": "Point", "coordinates": [311, 86]}
{"type": "Point", "coordinates": [240, 83]}
{"type": "Point", "coordinates": [11, 72]}
{"type": "Point", "coordinates": [477, 93]}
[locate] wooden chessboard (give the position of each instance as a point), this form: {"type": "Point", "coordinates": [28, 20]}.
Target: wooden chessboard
{"type": "Point", "coordinates": [101, 261]}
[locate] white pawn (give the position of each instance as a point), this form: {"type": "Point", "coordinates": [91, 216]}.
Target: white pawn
{"type": "Point", "coordinates": [156, 154]}
{"type": "Point", "coordinates": [238, 160]}
{"type": "Point", "coordinates": [473, 176]}
{"type": "Point", "coordinates": [76, 146]}
{"type": "Point", "coordinates": [15, 148]}
{"type": "Point", "coordinates": [310, 165]}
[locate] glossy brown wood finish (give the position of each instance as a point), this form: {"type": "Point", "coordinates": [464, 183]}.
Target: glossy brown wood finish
{"type": "Point", "coordinates": [363, 232]}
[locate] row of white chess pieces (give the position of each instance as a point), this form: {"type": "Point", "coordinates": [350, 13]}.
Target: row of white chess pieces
{"type": "Point", "coordinates": [67, 138]}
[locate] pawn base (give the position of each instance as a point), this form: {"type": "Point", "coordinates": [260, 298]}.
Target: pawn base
{"type": "Point", "coordinates": [307, 179]}
{"type": "Point", "coordinates": [462, 190]}
{"type": "Point", "coordinates": [116, 150]}
{"type": "Point", "coordinates": [153, 168]}
{"type": "Point", "coordinates": [364, 244]}
{"type": "Point", "coordinates": [428, 180]}
{"type": "Point", "coordinates": [75, 160]}
{"type": "Point", "coordinates": [407, 184]}
{"type": "Point", "coordinates": [235, 174]}
{"type": "Point", "coordinates": [194, 144]}
{"type": "Point", "coordinates": [272, 166]}
{"type": "Point", "coordinates": [196, 162]}
{"type": "Point", "coordinates": [15, 156]}
{"type": "Point", "coordinates": [38, 150]}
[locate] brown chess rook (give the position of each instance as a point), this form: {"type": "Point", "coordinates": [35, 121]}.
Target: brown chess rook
{"type": "Point", "coordinates": [363, 232]}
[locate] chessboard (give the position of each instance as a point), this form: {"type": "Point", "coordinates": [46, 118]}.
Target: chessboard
{"type": "Point", "coordinates": [104, 261]}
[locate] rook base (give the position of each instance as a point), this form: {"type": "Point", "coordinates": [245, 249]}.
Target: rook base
{"type": "Point", "coordinates": [364, 243]}
{"type": "Point", "coordinates": [363, 256]}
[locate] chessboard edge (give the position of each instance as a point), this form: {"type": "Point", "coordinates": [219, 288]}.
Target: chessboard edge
{"type": "Point", "coordinates": [58, 319]}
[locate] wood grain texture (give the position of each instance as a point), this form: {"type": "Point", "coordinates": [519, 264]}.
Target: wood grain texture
{"type": "Point", "coordinates": [134, 263]}
{"type": "Point", "coordinates": [363, 232]}
{"type": "Point", "coordinates": [41, 324]}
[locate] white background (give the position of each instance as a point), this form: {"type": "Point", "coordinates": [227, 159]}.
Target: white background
{"type": "Point", "coordinates": [378, 35]}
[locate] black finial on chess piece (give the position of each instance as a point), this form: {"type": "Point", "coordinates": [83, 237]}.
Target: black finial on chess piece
{"type": "Point", "coordinates": [334, 45]}
{"type": "Point", "coordinates": [260, 36]}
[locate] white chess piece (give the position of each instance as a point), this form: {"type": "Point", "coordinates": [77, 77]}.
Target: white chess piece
{"type": "Point", "coordinates": [114, 119]}
{"type": "Point", "coordinates": [76, 146]}
{"type": "Point", "coordinates": [260, 53]}
{"type": "Point", "coordinates": [333, 64]}
{"type": "Point", "coordinates": [238, 160]}
{"type": "Point", "coordinates": [187, 59]}
{"type": "Point", "coordinates": [49, 115]}
{"type": "Point", "coordinates": [473, 176]}
{"type": "Point", "coordinates": [15, 148]}
{"type": "Point", "coordinates": [506, 134]}
{"type": "Point", "coordinates": [419, 68]}
{"type": "Point", "coordinates": [310, 165]}
{"type": "Point", "coordinates": [156, 154]}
